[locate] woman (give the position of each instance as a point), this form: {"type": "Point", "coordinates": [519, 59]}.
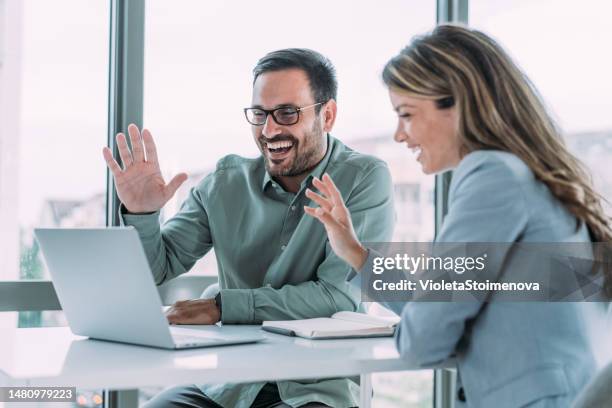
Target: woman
{"type": "Point", "coordinates": [464, 105]}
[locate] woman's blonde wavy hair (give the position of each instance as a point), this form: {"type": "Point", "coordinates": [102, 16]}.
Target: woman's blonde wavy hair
{"type": "Point", "coordinates": [499, 108]}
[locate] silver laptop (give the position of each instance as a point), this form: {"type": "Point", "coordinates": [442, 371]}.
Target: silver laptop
{"type": "Point", "coordinates": [106, 289]}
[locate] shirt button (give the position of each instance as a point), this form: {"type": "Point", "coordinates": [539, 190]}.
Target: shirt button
{"type": "Point", "coordinates": [283, 247]}
{"type": "Point", "coordinates": [268, 285]}
{"type": "Point", "coordinates": [293, 208]}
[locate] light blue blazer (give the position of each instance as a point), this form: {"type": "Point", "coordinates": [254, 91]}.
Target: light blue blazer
{"type": "Point", "coordinates": [506, 354]}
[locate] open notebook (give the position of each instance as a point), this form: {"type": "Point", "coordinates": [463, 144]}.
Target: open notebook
{"type": "Point", "coordinates": [340, 325]}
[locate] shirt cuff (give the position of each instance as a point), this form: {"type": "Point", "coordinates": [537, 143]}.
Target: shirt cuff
{"type": "Point", "coordinates": [146, 224]}
{"type": "Point", "coordinates": [238, 306]}
{"type": "Point", "coordinates": [354, 276]}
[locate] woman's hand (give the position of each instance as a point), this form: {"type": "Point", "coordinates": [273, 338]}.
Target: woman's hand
{"type": "Point", "coordinates": [337, 221]}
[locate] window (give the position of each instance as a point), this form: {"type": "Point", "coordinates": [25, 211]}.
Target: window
{"type": "Point", "coordinates": [53, 111]}
{"type": "Point", "coordinates": [562, 47]}
{"type": "Point", "coordinates": [198, 62]}
{"type": "Point", "coordinates": [53, 85]}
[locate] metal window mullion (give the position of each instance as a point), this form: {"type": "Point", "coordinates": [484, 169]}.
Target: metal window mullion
{"type": "Point", "coordinates": [125, 82]}
{"type": "Point", "coordinates": [452, 11]}
{"type": "Point", "coordinates": [448, 11]}
{"type": "Point", "coordinates": [125, 106]}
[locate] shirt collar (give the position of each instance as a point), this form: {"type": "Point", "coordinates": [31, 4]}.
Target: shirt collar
{"type": "Point", "coordinates": [316, 172]}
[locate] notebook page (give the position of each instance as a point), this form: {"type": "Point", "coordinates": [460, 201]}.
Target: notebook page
{"type": "Point", "coordinates": [322, 324]}
{"type": "Point", "coordinates": [366, 319]}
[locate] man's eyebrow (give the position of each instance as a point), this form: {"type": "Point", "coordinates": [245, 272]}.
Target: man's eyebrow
{"type": "Point", "coordinates": [280, 105]}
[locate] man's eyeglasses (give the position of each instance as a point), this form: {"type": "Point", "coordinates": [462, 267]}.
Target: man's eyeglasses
{"type": "Point", "coordinates": [285, 115]}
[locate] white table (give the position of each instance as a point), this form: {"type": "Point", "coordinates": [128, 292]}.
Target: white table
{"type": "Point", "coordinates": [56, 357]}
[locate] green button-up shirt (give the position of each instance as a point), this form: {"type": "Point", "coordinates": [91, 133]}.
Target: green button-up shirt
{"type": "Point", "coordinates": [274, 262]}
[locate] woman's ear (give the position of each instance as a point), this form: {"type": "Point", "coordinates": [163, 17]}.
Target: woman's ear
{"type": "Point", "coordinates": [445, 103]}
{"type": "Point", "coordinates": [328, 115]}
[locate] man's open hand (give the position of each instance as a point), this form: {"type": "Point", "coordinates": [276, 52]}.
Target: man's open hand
{"type": "Point", "coordinates": [140, 185]}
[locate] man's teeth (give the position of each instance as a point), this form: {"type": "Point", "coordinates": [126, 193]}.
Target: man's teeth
{"type": "Point", "coordinates": [279, 145]}
{"type": "Point", "coordinates": [416, 150]}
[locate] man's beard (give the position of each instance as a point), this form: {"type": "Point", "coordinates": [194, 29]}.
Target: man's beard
{"type": "Point", "coordinates": [305, 158]}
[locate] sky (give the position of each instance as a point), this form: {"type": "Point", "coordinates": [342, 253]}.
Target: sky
{"type": "Point", "coordinates": [198, 61]}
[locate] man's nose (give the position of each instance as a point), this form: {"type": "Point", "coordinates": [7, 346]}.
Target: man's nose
{"type": "Point", "coordinates": [270, 127]}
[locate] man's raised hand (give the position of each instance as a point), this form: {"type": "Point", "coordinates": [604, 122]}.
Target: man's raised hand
{"type": "Point", "coordinates": [140, 184]}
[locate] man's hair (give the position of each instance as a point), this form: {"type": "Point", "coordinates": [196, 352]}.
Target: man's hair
{"type": "Point", "coordinates": [319, 70]}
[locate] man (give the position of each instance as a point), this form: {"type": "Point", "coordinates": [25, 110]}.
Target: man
{"type": "Point", "coordinates": [273, 262]}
